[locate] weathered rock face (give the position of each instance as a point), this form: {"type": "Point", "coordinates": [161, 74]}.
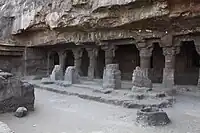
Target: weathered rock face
{"type": "Point", "coordinates": [71, 75]}
{"type": "Point", "coordinates": [27, 15]}
{"type": "Point", "coordinates": [112, 77]}
{"type": "Point", "coordinates": [15, 93]}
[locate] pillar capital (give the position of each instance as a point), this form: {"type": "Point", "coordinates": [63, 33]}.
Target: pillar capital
{"type": "Point", "coordinates": [109, 53]}
{"type": "Point", "coordinates": [171, 51]}
{"type": "Point", "coordinates": [78, 52]}
{"type": "Point", "coordinates": [92, 52]}
{"type": "Point", "coordinates": [108, 47]}
{"type": "Point", "coordinates": [145, 48]}
{"type": "Point", "coordinates": [61, 53]}
{"type": "Point", "coordinates": [166, 40]}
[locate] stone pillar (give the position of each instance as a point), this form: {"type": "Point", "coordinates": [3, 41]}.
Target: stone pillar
{"type": "Point", "coordinates": [109, 54]}
{"type": "Point", "coordinates": [145, 56]}
{"type": "Point", "coordinates": [78, 52]}
{"type": "Point", "coordinates": [62, 56]}
{"type": "Point", "coordinates": [48, 64]}
{"type": "Point", "coordinates": [112, 77]}
{"type": "Point", "coordinates": [92, 53]}
{"type": "Point", "coordinates": [198, 51]}
{"type": "Point", "coordinates": [168, 72]}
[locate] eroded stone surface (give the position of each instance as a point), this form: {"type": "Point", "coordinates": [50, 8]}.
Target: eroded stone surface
{"type": "Point", "coordinates": [112, 77]}
{"type": "Point", "coordinates": [56, 74]}
{"type": "Point", "coordinates": [15, 93]}
{"type": "Point", "coordinates": [71, 75]}
{"type": "Point", "coordinates": [152, 116]}
{"type": "Point", "coordinates": [140, 80]}
{"type": "Point", "coordinates": [21, 112]}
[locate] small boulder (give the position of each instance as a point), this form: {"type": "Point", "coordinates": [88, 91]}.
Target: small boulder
{"type": "Point", "coordinates": [21, 112]}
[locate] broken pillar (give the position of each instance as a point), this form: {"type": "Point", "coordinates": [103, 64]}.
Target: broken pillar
{"type": "Point", "coordinates": [56, 74]}
{"type": "Point", "coordinates": [71, 75]}
{"type": "Point", "coordinates": [112, 77]}
{"type": "Point", "coordinates": [140, 80]}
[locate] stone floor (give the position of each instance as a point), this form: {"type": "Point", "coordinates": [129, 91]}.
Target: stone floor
{"type": "Point", "coordinates": [57, 113]}
{"type": "Point", "coordinates": [92, 90]}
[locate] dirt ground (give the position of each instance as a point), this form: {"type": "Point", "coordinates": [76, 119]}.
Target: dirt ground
{"type": "Point", "coordinates": [57, 113]}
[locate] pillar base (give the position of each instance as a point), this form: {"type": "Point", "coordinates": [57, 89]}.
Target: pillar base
{"type": "Point", "coordinates": [168, 77]}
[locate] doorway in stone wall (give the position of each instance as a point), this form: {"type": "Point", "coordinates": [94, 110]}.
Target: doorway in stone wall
{"type": "Point", "coordinates": [69, 60]}
{"type": "Point", "coordinates": [187, 65]}
{"type": "Point", "coordinates": [127, 56]}
{"type": "Point", "coordinates": [53, 60]}
{"type": "Point", "coordinates": [157, 64]}
{"type": "Point", "coordinates": [84, 63]}
{"type": "Point", "coordinates": [100, 64]}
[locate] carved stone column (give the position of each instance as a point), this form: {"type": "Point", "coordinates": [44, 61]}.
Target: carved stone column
{"type": "Point", "coordinates": [92, 53]}
{"type": "Point", "coordinates": [198, 51]}
{"type": "Point", "coordinates": [109, 53]}
{"type": "Point", "coordinates": [145, 56]}
{"type": "Point", "coordinates": [62, 56]}
{"type": "Point", "coordinates": [48, 64]}
{"type": "Point", "coordinates": [78, 52]}
{"type": "Point", "coordinates": [168, 72]}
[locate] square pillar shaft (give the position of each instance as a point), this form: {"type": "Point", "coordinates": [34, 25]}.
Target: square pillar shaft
{"type": "Point", "coordinates": [92, 53]}
{"type": "Point", "coordinates": [169, 70]}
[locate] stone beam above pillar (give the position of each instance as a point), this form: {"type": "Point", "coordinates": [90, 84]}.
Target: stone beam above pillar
{"type": "Point", "coordinates": [109, 53]}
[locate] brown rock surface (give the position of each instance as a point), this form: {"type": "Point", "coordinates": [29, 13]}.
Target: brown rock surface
{"type": "Point", "coordinates": [88, 20]}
